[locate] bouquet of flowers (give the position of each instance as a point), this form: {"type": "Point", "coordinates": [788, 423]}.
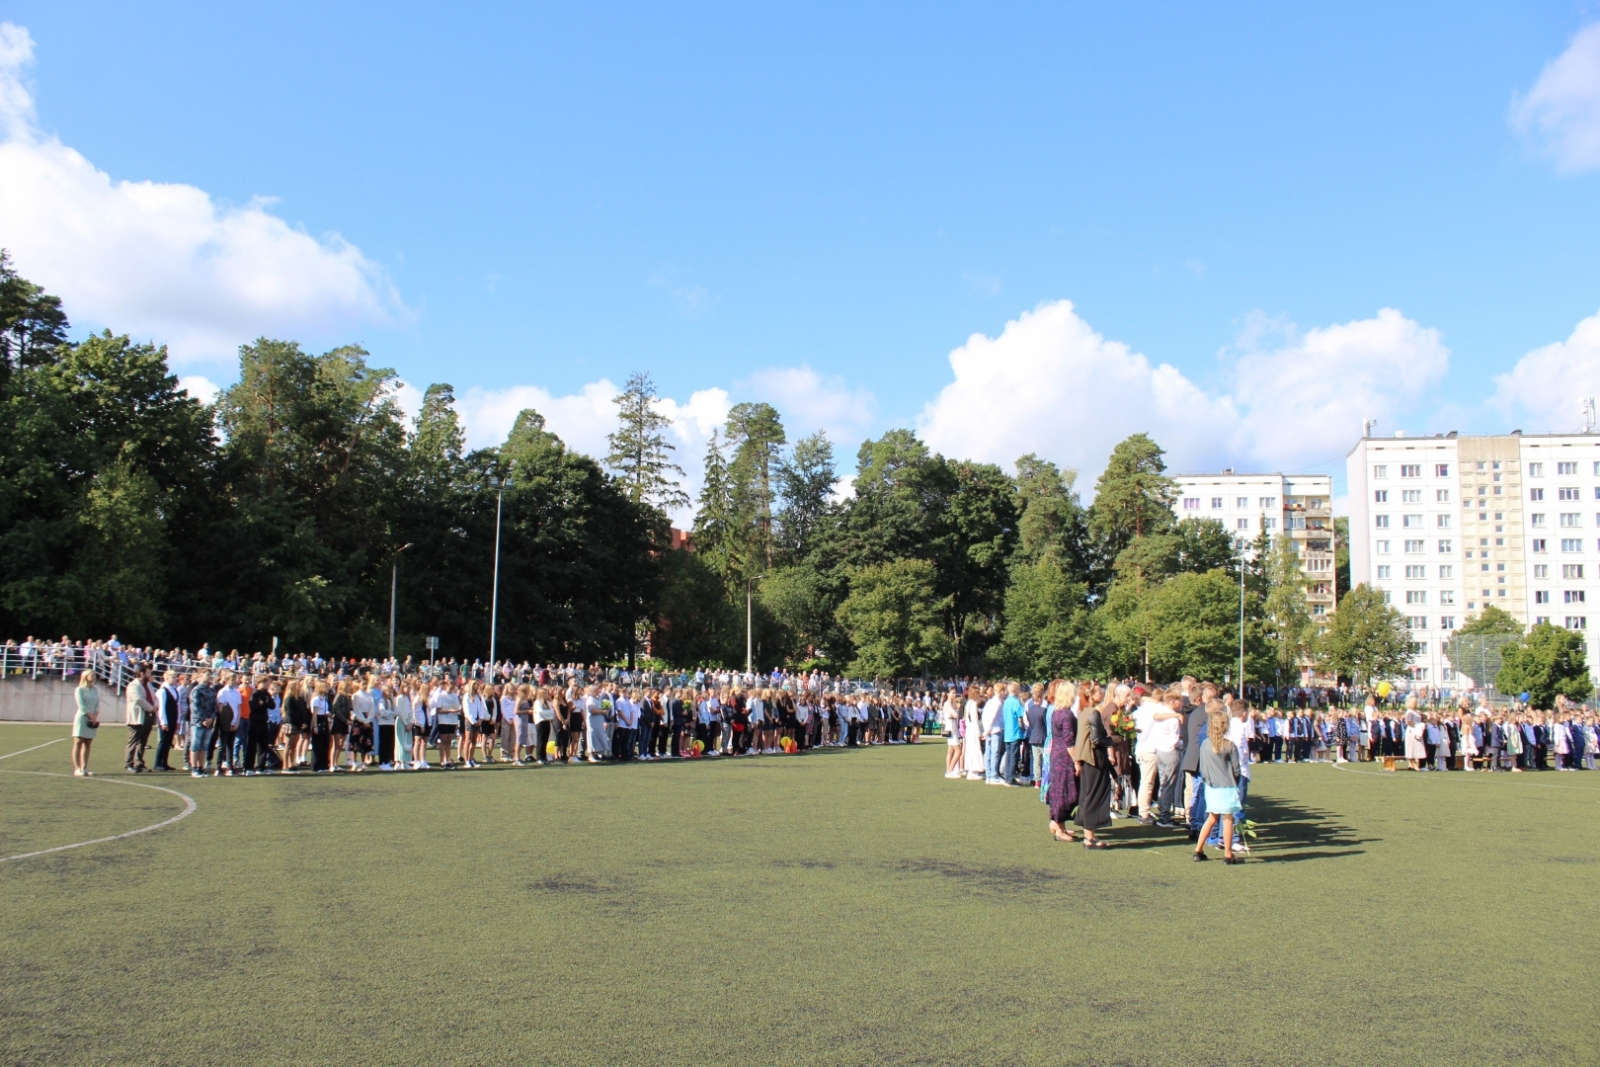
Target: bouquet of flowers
{"type": "Point", "coordinates": [609, 710]}
{"type": "Point", "coordinates": [1121, 725]}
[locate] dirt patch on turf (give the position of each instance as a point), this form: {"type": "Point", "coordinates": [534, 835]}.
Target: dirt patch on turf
{"type": "Point", "coordinates": [984, 878]}
{"type": "Point", "coordinates": [573, 885]}
{"type": "Point", "coordinates": [805, 865]}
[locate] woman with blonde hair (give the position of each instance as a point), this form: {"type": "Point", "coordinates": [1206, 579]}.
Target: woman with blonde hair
{"type": "Point", "coordinates": [1220, 771]}
{"type": "Point", "coordinates": [85, 723]}
{"type": "Point", "coordinates": [972, 744]}
{"type": "Point", "coordinates": [1416, 735]}
{"type": "Point", "coordinates": [1061, 795]}
{"type": "Point", "coordinates": [419, 726]}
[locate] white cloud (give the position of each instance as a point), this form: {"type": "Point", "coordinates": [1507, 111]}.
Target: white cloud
{"type": "Point", "coordinates": [1548, 384]}
{"type": "Point", "coordinates": [1331, 378]}
{"type": "Point", "coordinates": [1050, 384]}
{"type": "Point", "coordinates": [810, 402]}
{"type": "Point", "coordinates": [163, 260]}
{"type": "Point", "coordinates": [1562, 110]}
{"type": "Point", "coordinates": [201, 388]}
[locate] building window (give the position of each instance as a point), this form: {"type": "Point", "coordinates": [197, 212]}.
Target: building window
{"type": "Point", "coordinates": [1541, 570]}
{"type": "Point", "coordinates": [1269, 524]}
{"type": "Point", "coordinates": [1499, 489]}
{"type": "Point", "coordinates": [1410, 470]}
{"type": "Point", "coordinates": [1447, 548]}
{"type": "Point", "coordinates": [1540, 620]}
{"type": "Point", "coordinates": [1447, 571]}
{"type": "Point", "coordinates": [1572, 596]}
{"type": "Point", "coordinates": [1381, 470]}
{"type": "Point", "coordinates": [1570, 520]}
{"type": "Point", "coordinates": [1319, 609]}
{"type": "Point", "coordinates": [1441, 496]}
{"type": "Point", "coordinates": [1441, 470]}
{"type": "Point", "coordinates": [1380, 496]}
{"type": "Point", "coordinates": [1568, 493]}
{"type": "Point", "coordinates": [1577, 622]}
{"type": "Point", "coordinates": [1381, 547]}
{"type": "Point", "coordinates": [1541, 596]}
{"type": "Point", "coordinates": [1216, 502]}
{"type": "Point", "coordinates": [1447, 622]}
{"type": "Point", "coordinates": [1536, 470]}
{"type": "Point", "coordinates": [1540, 545]}
{"type": "Point", "coordinates": [1411, 522]}
{"type": "Point", "coordinates": [1416, 571]}
{"type": "Point", "coordinates": [1269, 502]}
{"type": "Point", "coordinates": [1443, 522]}
{"type": "Point", "coordinates": [1567, 468]}
{"type": "Point", "coordinates": [1416, 596]}
{"type": "Point", "coordinates": [1414, 547]}
{"type": "Point", "coordinates": [1536, 495]}
{"type": "Point", "coordinates": [1537, 518]}
{"type": "Point", "coordinates": [1483, 490]}
{"type": "Point", "coordinates": [1385, 593]}
{"type": "Point", "coordinates": [1572, 570]}
{"type": "Point", "coordinates": [1384, 571]}
{"type": "Point", "coordinates": [1411, 496]}
{"type": "Point", "coordinates": [1191, 503]}
{"type": "Point", "coordinates": [1380, 521]}
{"type": "Point", "coordinates": [1417, 622]}
{"type": "Point", "coordinates": [1244, 524]}
{"type": "Point", "coordinates": [1447, 596]}
{"type": "Point", "coordinates": [1571, 544]}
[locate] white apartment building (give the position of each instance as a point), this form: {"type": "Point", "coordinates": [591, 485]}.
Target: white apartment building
{"type": "Point", "coordinates": [1445, 525]}
{"type": "Point", "coordinates": [1297, 505]}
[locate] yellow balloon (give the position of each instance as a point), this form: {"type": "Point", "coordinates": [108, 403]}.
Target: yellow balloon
{"type": "Point", "coordinates": [699, 746]}
{"type": "Point", "coordinates": [1384, 689]}
{"type": "Point", "coordinates": [550, 748]}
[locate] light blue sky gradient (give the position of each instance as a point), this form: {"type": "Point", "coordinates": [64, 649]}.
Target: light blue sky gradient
{"type": "Point", "coordinates": [562, 194]}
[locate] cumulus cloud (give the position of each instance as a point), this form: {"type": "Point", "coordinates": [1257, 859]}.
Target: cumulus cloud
{"type": "Point", "coordinates": [164, 260]}
{"type": "Point", "coordinates": [200, 387]}
{"type": "Point", "coordinates": [1561, 113]}
{"type": "Point", "coordinates": [1333, 376]}
{"type": "Point", "coordinates": [1548, 384]}
{"type": "Point", "coordinates": [810, 402]}
{"type": "Point", "coordinates": [1050, 384]}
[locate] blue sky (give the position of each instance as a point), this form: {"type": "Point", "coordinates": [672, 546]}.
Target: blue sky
{"type": "Point", "coordinates": [818, 204]}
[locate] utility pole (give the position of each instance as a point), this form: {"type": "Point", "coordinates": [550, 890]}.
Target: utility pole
{"type": "Point", "coordinates": [500, 484]}
{"type": "Point", "coordinates": [394, 589]}
{"type": "Point", "coordinates": [749, 603]}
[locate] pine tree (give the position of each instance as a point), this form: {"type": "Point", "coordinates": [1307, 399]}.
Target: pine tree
{"type": "Point", "coordinates": [714, 523]}
{"type": "Point", "coordinates": [756, 432]}
{"type": "Point", "coordinates": [1292, 626]}
{"type": "Point", "coordinates": [640, 451]}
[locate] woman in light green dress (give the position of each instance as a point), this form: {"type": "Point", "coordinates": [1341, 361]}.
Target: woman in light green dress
{"type": "Point", "coordinates": [84, 724]}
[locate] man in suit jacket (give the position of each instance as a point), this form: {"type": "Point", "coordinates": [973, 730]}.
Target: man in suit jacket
{"type": "Point", "coordinates": [168, 716]}
{"type": "Point", "coordinates": [140, 717]}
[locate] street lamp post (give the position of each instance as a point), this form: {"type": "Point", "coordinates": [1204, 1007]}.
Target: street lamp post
{"type": "Point", "coordinates": [501, 485]}
{"type": "Point", "coordinates": [1242, 544]}
{"type": "Point", "coordinates": [749, 585]}
{"type": "Point", "coordinates": [394, 589]}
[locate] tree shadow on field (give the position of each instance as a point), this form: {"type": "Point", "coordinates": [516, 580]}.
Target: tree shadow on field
{"type": "Point", "coordinates": [1288, 831]}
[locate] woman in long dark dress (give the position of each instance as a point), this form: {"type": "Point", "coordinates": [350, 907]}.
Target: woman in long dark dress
{"type": "Point", "coordinates": [1093, 754]}
{"type": "Point", "coordinates": [1062, 796]}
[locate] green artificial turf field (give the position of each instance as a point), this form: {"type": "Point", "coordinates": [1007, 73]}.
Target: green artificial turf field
{"type": "Point", "coordinates": [833, 908]}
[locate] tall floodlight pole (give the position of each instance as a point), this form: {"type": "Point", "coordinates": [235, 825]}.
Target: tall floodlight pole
{"type": "Point", "coordinates": [1241, 543]}
{"type": "Point", "coordinates": [394, 589]}
{"type": "Point", "coordinates": [500, 484]}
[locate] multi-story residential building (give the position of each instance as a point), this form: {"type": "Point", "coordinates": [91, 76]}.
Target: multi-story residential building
{"type": "Point", "coordinates": [1299, 506]}
{"type": "Point", "coordinates": [1445, 525]}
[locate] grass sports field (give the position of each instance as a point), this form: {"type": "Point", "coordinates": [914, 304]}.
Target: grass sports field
{"type": "Point", "coordinates": [835, 908]}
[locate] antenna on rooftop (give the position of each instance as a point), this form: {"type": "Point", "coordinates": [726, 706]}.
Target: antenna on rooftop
{"type": "Point", "coordinates": [1366, 427]}
{"type": "Point", "coordinates": [1588, 414]}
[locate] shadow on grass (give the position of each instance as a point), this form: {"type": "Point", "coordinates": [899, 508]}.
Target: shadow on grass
{"type": "Point", "coordinates": [1291, 831]}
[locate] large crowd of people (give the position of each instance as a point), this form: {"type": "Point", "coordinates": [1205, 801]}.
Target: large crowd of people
{"type": "Point", "coordinates": [1171, 755]}
{"type": "Point", "coordinates": [225, 722]}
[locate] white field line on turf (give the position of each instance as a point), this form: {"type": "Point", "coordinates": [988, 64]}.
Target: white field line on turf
{"type": "Point", "coordinates": [189, 809]}
{"type": "Point", "coordinates": [35, 748]}
{"type": "Point", "coordinates": [1491, 776]}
